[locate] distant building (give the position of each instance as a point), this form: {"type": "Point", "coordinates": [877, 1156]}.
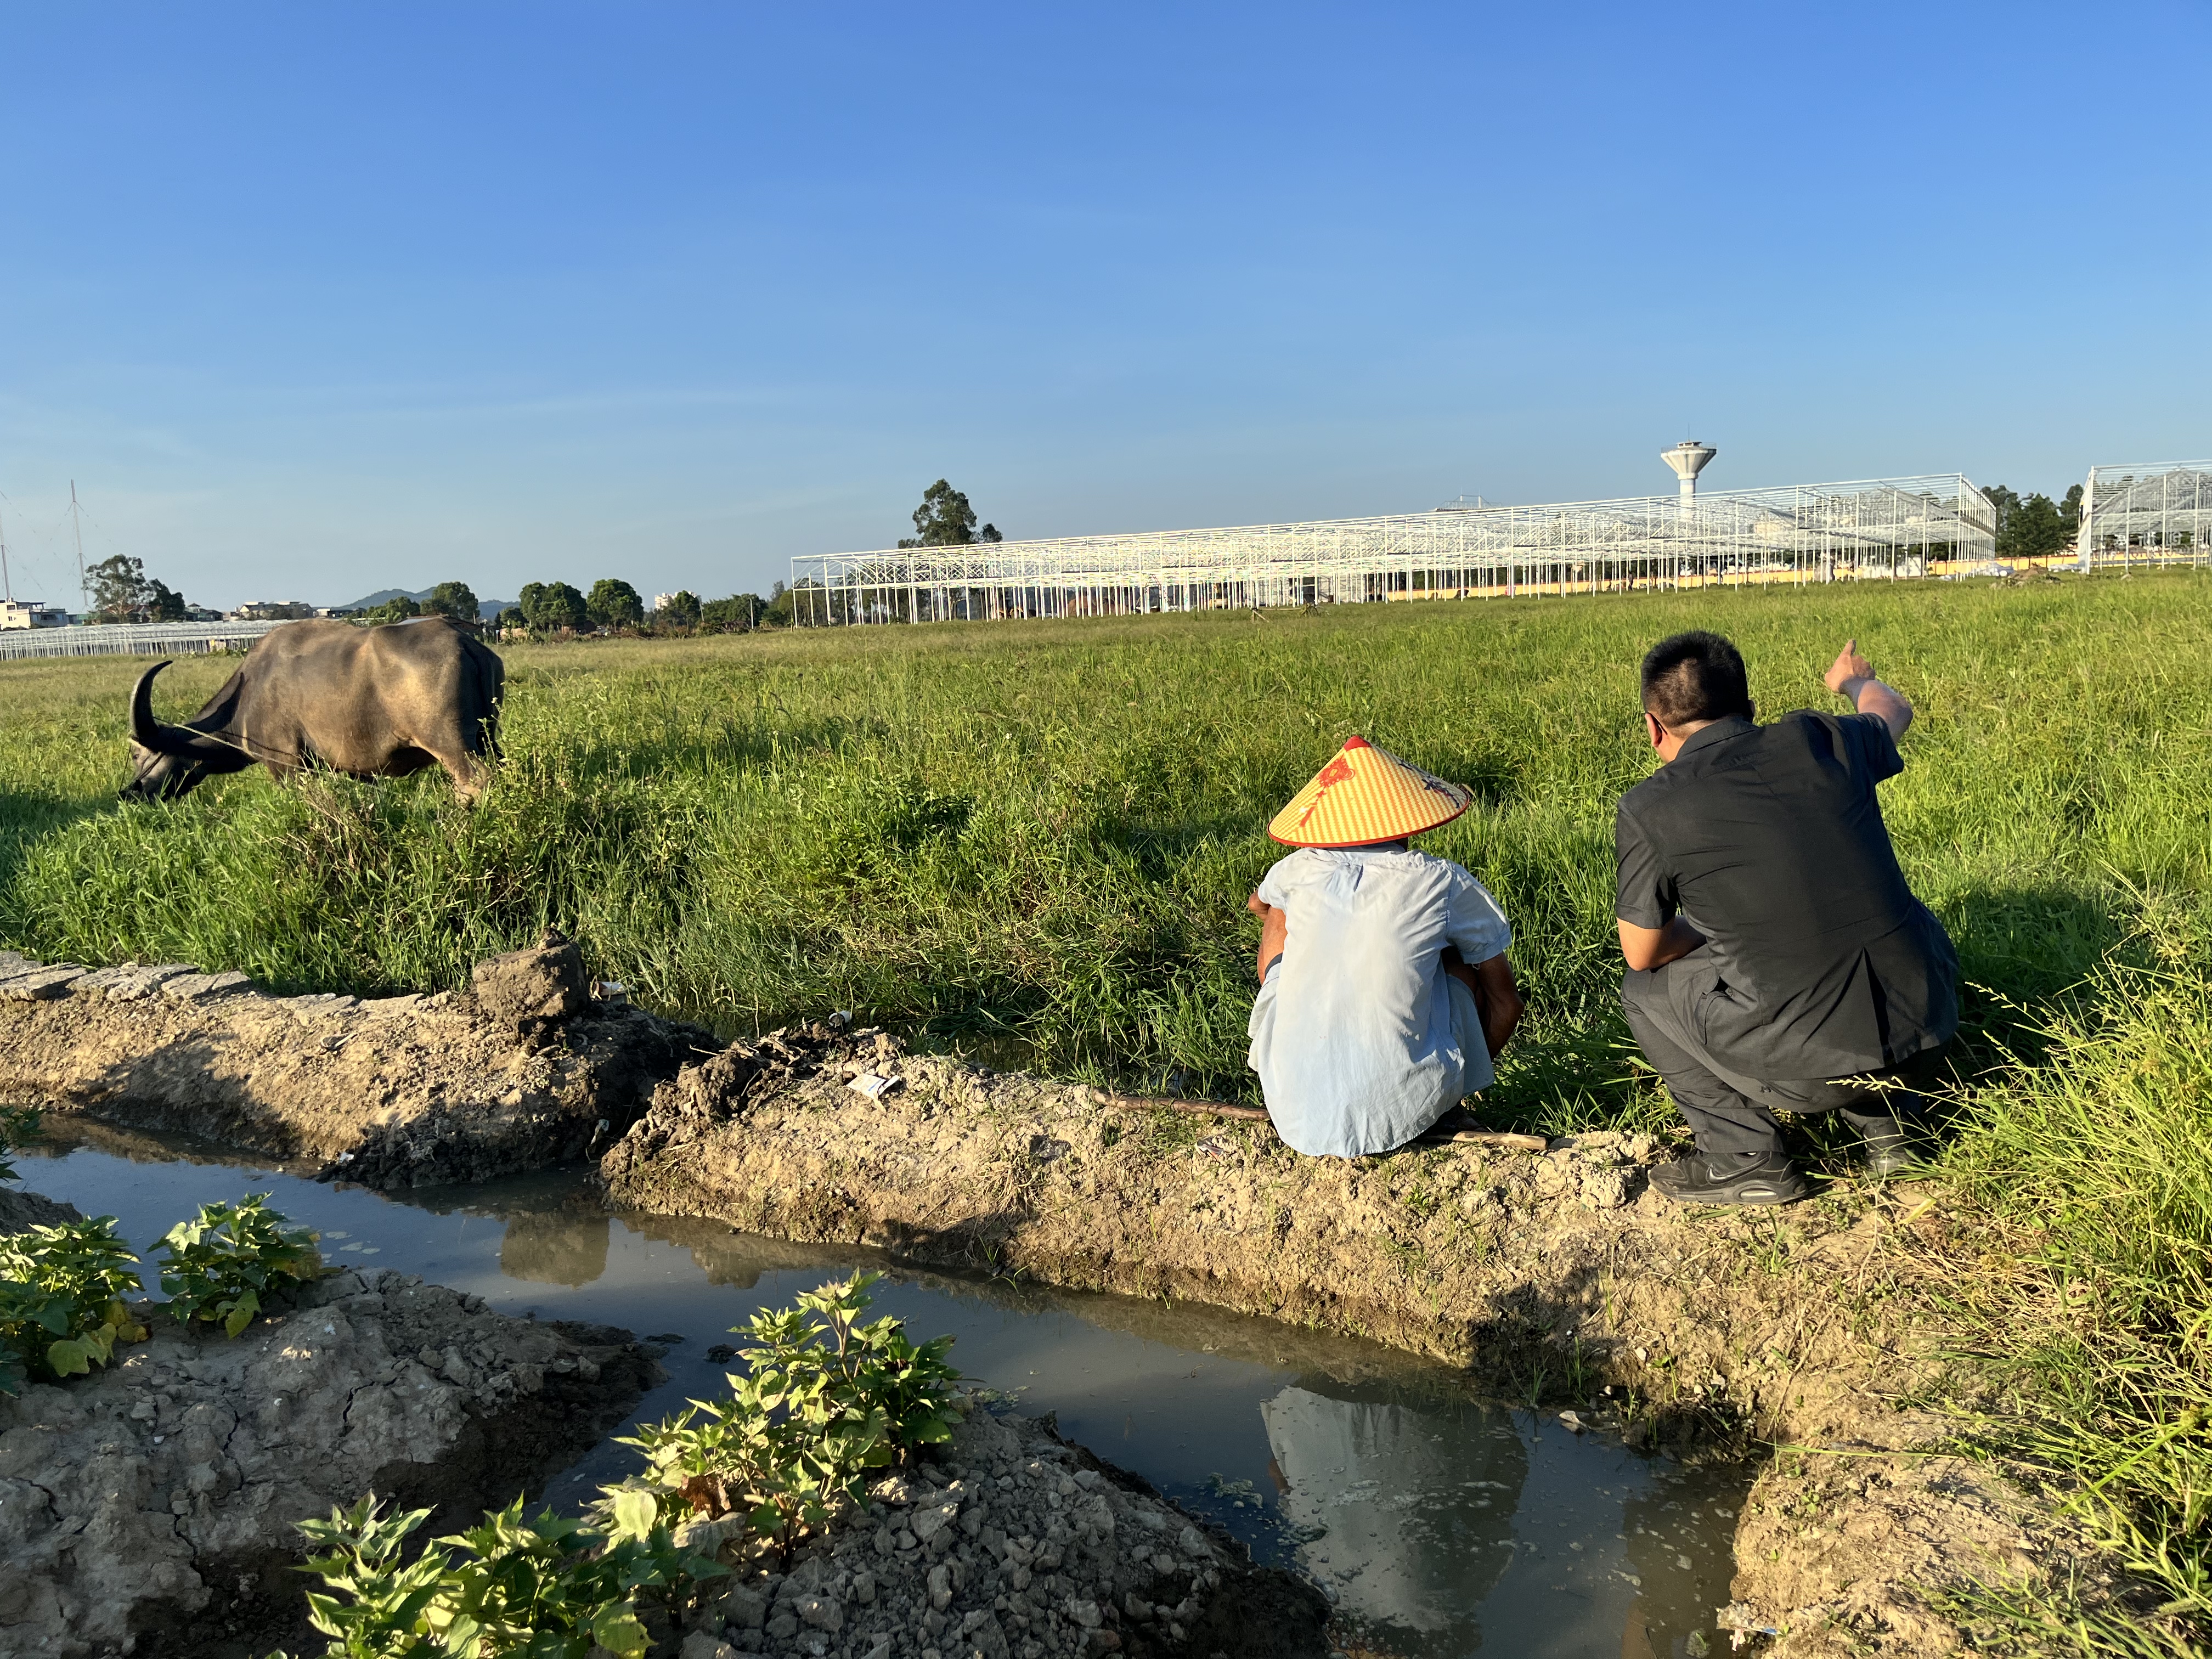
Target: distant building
{"type": "Point", "coordinates": [29, 613]}
{"type": "Point", "coordinates": [271, 611]}
{"type": "Point", "coordinates": [662, 601]}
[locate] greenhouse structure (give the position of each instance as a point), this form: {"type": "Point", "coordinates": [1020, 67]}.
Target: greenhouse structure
{"type": "Point", "coordinates": [2138, 516]}
{"type": "Point", "coordinates": [1882, 529]}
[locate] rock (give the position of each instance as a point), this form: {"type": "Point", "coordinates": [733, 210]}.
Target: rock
{"type": "Point", "coordinates": [745, 1608]}
{"type": "Point", "coordinates": [1192, 1542]}
{"type": "Point", "coordinates": [925, 1524]}
{"type": "Point", "coordinates": [131, 982]}
{"type": "Point", "coordinates": [20, 1210]}
{"type": "Point", "coordinates": [532, 988]}
{"type": "Point", "coordinates": [864, 1588]}
{"type": "Point", "coordinates": [823, 1612]}
{"type": "Point", "coordinates": [783, 1626]}
{"type": "Point", "coordinates": [1085, 1614]}
{"type": "Point", "coordinates": [704, 1644]}
{"type": "Point", "coordinates": [205, 987]}
{"type": "Point", "coordinates": [42, 984]}
{"type": "Point", "coordinates": [940, 1587]}
{"type": "Point", "coordinates": [115, 1519]}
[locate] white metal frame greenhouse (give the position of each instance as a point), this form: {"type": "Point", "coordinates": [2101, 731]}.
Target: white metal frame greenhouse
{"type": "Point", "coordinates": [2141, 517]}
{"type": "Point", "coordinates": [1880, 528]}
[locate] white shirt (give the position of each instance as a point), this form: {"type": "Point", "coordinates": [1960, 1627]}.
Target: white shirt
{"type": "Point", "coordinates": [1360, 1038]}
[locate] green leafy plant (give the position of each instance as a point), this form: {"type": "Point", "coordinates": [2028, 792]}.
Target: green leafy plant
{"type": "Point", "coordinates": [60, 1300]}
{"type": "Point", "coordinates": [824, 1397]}
{"type": "Point", "coordinates": [223, 1260]}
{"type": "Point", "coordinates": [541, 1586]}
{"type": "Point", "coordinates": [17, 1125]}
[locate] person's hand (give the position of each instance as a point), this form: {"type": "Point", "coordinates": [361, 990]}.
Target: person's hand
{"type": "Point", "coordinates": [1849, 665]}
{"type": "Point", "coordinates": [1258, 906]}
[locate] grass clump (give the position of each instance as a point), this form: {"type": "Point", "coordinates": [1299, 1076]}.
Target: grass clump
{"type": "Point", "coordinates": [2086, 1334]}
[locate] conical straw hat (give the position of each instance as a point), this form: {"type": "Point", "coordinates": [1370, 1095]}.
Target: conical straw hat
{"type": "Point", "coordinates": [1366, 794]}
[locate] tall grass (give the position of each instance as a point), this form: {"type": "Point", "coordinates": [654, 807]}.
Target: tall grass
{"type": "Point", "coordinates": [2086, 1329]}
{"type": "Point", "coordinates": [1035, 839]}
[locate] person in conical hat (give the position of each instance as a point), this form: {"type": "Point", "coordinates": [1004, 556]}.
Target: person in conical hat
{"type": "Point", "coordinates": [1385, 990]}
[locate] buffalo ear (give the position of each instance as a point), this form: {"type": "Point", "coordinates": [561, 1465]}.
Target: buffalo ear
{"type": "Point", "coordinates": [145, 730]}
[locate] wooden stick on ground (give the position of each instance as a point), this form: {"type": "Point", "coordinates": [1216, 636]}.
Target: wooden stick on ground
{"type": "Point", "coordinates": [1258, 1115]}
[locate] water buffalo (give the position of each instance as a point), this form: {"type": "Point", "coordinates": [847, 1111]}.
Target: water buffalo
{"type": "Point", "coordinates": [372, 702]}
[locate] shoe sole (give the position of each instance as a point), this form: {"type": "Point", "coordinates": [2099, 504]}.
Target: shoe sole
{"type": "Point", "coordinates": [1756, 1192]}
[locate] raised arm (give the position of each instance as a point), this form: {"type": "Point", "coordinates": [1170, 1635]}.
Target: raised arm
{"type": "Point", "coordinates": [1851, 676]}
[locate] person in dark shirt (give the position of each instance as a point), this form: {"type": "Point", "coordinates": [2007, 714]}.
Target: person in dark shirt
{"type": "Point", "coordinates": [1775, 956]}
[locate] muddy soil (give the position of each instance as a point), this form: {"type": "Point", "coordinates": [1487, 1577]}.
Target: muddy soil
{"type": "Point", "coordinates": [401, 1091]}
{"type": "Point", "coordinates": [1010, 1541]}
{"type": "Point", "coordinates": [150, 1509]}
{"type": "Point", "coordinates": [1557, 1274]}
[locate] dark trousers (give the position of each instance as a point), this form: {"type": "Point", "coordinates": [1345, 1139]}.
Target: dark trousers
{"type": "Point", "coordinates": [1731, 1113]}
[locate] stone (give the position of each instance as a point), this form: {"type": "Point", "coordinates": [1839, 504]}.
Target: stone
{"type": "Point", "coordinates": [928, 1524]}
{"type": "Point", "coordinates": [205, 987]}
{"type": "Point", "coordinates": [704, 1644]}
{"type": "Point", "coordinates": [864, 1588]}
{"type": "Point", "coordinates": [823, 1612]}
{"type": "Point", "coordinates": [940, 1587]}
{"type": "Point", "coordinates": [783, 1626]}
{"type": "Point", "coordinates": [1193, 1543]}
{"type": "Point", "coordinates": [534, 988]}
{"type": "Point", "coordinates": [42, 984]}
{"type": "Point", "coordinates": [743, 1606]}
{"type": "Point", "coordinates": [1085, 1613]}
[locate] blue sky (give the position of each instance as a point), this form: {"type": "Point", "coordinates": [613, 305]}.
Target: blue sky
{"type": "Point", "coordinates": [312, 300]}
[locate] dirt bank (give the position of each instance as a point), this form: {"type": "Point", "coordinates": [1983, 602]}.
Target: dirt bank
{"type": "Point", "coordinates": [1011, 1542]}
{"type": "Point", "coordinates": [150, 1509]}
{"type": "Point", "coordinates": [1557, 1274]}
{"type": "Point", "coordinates": [402, 1091]}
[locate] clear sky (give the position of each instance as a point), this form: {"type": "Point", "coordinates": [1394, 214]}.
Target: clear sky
{"type": "Point", "coordinates": [310, 300]}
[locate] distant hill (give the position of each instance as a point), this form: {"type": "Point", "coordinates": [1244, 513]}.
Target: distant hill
{"type": "Point", "coordinates": [487, 609]}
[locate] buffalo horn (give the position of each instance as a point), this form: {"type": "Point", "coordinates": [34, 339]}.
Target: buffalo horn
{"type": "Point", "coordinates": [145, 730]}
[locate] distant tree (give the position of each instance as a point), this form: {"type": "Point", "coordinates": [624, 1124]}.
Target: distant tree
{"type": "Point", "coordinates": [946, 520]}
{"type": "Point", "coordinates": [120, 590]}
{"type": "Point", "coordinates": [513, 617]}
{"type": "Point", "coordinates": [456, 600]}
{"type": "Point", "coordinates": [738, 614]}
{"type": "Point", "coordinates": [527, 601]}
{"type": "Point", "coordinates": [398, 608]}
{"type": "Point", "coordinates": [2005, 503]}
{"type": "Point", "coordinates": [2033, 529]}
{"type": "Point", "coordinates": [164, 603]}
{"type": "Point", "coordinates": [614, 603]}
{"type": "Point", "coordinates": [2070, 510]}
{"type": "Point", "coordinates": [682, 611]}
{"type": "Point", "coordinates": [553, 607]}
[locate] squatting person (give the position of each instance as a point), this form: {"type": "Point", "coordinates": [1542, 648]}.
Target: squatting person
{"type": "Point", "coordinates": [1384, 989]}
{"type": "Point", "coordinates": [1776, 957]}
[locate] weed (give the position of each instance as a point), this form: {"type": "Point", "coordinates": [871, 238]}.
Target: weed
{"type": "Point", "coordinates": [61, 1301]}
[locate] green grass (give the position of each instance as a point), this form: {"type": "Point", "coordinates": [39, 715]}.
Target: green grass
{"type": "Point", "coordinates": [1033, 840]}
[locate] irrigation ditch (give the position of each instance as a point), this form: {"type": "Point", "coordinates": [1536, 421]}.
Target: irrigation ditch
{"type": "Point", "coordinates": [1548, 1272]}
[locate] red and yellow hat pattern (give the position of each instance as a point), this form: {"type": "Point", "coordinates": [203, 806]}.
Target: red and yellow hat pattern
{"type": "Point", "coordinates": [1364, 795]}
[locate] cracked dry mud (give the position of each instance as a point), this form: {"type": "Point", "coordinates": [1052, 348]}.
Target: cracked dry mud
{"type": "Point", "coordinates": [150, 1508]}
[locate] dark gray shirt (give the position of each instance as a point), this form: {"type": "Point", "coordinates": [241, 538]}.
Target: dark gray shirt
{"type": "Point", "coordinates": [1768, 839]}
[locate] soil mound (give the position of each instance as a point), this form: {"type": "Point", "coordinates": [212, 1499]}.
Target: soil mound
{"type": "Point", "coordinates": [150, 1509]}
{"type": "Point", "coordinates": [398, 1091]}
{"type": "Point", "coordinates": [1013, 1542]}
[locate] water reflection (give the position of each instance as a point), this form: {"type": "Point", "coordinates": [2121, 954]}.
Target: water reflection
{"type": "Point", "coordinates": [1441, 1523]}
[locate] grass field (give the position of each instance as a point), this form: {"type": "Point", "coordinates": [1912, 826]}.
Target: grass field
{"type": "Point", "coordinates": [1033, 840]}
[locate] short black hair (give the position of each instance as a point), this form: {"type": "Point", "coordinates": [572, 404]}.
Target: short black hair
{"type": "Point", "coordinates": [1693, 677]}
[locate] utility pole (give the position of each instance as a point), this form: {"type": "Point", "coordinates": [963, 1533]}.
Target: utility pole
{"type": "Point", "coordinates": [77, 528]}
{"type": "Point", "coordinates": [6, 581]}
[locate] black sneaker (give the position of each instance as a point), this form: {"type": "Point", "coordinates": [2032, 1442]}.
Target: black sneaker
{"type": "Point", "coordinates": [1691, 1180]}
{"type": "Point", "coordinates": [1893, 1154]}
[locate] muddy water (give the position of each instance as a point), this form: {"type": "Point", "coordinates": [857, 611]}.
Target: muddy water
{"type": "Point", "coordinates": [1439, 1522]}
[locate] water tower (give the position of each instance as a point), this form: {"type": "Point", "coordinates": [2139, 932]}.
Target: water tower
{"type": "Point", "coordinates": [1688, 458]}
